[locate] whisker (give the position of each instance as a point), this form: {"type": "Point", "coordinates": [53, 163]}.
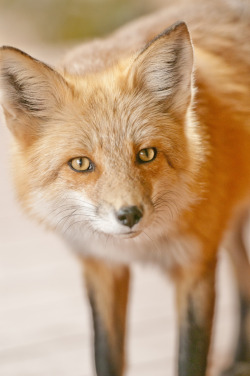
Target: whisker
{"type": "Point", "coordinates": [67, 217]}
{"type": "Point", "coordinates": [154, 245]}
{"type": "Point", "coordinates": [107, 238]}
{"type": "Point", "coordinates": [81, 200]}
{"type": "Point", "coordinates": [76, 222]}
{"type": "Point", "coordinates": [72, 207]}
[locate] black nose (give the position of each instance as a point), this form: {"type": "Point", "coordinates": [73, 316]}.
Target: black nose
{"type": "Point", "coordinates": [129, 216]}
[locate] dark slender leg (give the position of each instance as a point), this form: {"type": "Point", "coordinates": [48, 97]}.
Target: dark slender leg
{"type": "Point", "coordinates": [193, 347]}
{"type": "Point", "coordinates": [241, 363]}
{"type": "Point", "coordinates": [196, 308]}
{"type": "Point", "coordinates": [243, 349]}
{"type": "Point", "coordinates": [240, 261]}
{"type": "Point", "coordinates": [108, 292]}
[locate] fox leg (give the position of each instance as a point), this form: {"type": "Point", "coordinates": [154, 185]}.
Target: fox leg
{"type": "Point", "coordinates": [195, 301]}
{"type": "Point", "coordinates": [241, 364]}
{"type": "Point", "coordinates": [107, 289]}
{"type": "Point", "coordinates": [238, 254]}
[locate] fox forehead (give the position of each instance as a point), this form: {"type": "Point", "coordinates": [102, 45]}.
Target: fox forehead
{"type": "Point", "coordinates": [105, 113]}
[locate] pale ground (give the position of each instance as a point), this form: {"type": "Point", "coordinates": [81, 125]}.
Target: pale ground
{"type": "Point", "coordinates": [45, 327]}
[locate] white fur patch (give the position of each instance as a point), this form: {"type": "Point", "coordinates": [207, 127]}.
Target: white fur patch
{"type": "Point", "coordinates": [75, 218]}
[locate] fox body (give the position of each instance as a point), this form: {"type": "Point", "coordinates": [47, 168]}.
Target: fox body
{"type": "Point", "coordinates": [137, 148]}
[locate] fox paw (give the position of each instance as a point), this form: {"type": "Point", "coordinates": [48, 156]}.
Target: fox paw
{"type": "Point", "coordinates": [238, 369]}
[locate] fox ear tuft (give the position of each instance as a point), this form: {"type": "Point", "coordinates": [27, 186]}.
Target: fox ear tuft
{"type": "Point", "coordinates": [28, 87]}
{"type": "Point", "coordinates": [164, 67]}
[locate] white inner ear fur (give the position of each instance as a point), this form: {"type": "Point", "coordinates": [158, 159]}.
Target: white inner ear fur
{"type": "Point", "coordinates": [27, 85]}
{"type": "Point", "coordinates": [165, 66]}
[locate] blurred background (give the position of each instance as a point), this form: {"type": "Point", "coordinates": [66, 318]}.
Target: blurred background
{"type": "Point", "coordinates": [66, 20]}
{"type": "Point", "coordinates": [45, 326]}
{"type": "Point", "coordinates": [26, 23]}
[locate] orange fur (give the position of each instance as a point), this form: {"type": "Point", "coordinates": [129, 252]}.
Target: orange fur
{"type": "Point", "coordinates": [107, 102]}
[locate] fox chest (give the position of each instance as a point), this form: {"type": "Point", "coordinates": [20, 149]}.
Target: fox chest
{"type": "Point", "coordinates": [167, 252]}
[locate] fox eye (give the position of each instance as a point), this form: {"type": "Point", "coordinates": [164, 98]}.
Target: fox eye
{"type": "Point", "coordinates": [146, 155]}
{"type": "Point", "coordinates": [81, 164]}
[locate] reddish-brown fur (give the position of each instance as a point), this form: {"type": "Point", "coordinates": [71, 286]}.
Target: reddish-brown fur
{"type": "Point", "coordinates": [109, 104]}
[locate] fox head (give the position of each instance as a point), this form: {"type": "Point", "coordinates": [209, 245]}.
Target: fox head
{"type": "Point", "coordinates": [113, 152]}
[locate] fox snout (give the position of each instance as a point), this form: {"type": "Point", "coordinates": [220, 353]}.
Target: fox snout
{"type": "Point", "coordinates": [129, 215]}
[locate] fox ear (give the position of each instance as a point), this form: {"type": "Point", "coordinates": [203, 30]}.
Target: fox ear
{"type": "Point", "coordinates": [30, 91]}
{"type": "Point", "coordinates": [164, 67]}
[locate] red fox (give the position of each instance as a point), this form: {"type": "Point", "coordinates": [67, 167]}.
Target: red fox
{"type": "Point", "coordinates": [137, 148]}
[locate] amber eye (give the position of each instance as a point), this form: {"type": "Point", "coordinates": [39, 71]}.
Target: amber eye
{"type": "Point", "coordinates": [81, 164]}
{"type": "Point", "coordinates": [146, 155]}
